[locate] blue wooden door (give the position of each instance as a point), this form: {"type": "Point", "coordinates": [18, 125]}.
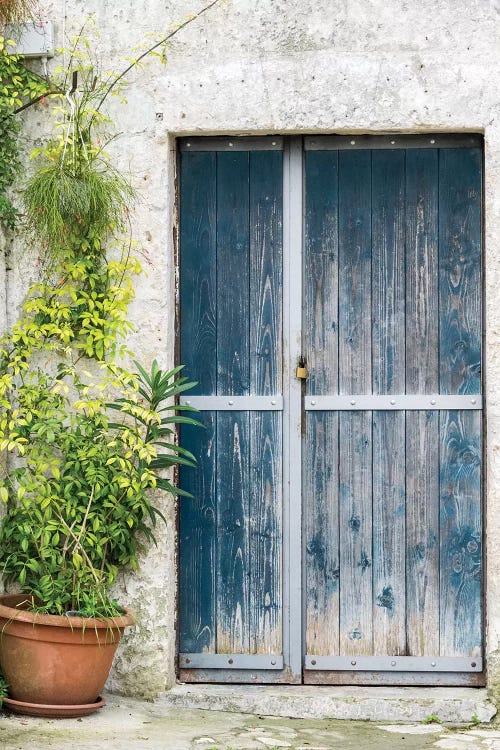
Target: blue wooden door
{"type": "Point", "coordinates": [231, 602]}
{"type": "Point", "coordinates": [392, 451]}
{"type": "Point", "coordinates": [335, 532]}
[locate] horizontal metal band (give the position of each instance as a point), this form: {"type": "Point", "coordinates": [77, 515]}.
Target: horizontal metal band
{"type": "Point", "coordinates": [232, 143]}
{"type": "Point", "coordinates": [391, 403]}
{"type": "Point", "coordinates": [394, 663]}
{"type": "Point", "coordinates": [234, 403]}
{"type": "Point", "coordinates": [231, 661]}
{"type": "Point", "coordinates": [391, 141]}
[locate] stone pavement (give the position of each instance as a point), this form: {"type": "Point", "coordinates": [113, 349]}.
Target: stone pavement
{"type": "Point", "coordinates": [126, 724]}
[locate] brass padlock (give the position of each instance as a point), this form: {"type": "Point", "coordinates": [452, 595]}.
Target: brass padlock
{"type": "Point", "coordinates": [301, 371]}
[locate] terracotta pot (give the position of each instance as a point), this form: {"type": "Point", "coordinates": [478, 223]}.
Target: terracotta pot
{"type": "Point", "coordinates": [54, 659]}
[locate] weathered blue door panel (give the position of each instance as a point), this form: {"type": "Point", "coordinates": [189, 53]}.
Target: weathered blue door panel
{"type": "Point", "coordinates": [392, 499]}
{"type": "Point", "coordinates": [231, 331]}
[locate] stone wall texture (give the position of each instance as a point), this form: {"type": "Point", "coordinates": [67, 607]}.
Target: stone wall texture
{"type": "Point", "coordinates": [287, 66]}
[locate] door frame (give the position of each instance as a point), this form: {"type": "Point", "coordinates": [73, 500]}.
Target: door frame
{"type": "Point", "coordinates": [293, 416]}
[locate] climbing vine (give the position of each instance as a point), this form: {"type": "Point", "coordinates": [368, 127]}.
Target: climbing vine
{"type": "Point", "coordinates": [77, 491]}
{"type": "Point", "coordinates": [18, 86]}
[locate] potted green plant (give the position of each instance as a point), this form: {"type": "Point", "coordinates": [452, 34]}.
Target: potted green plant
{"type": "Point", "coordinates": [84, 439]}
{"type": "Point", "coordinates": [79, 510]}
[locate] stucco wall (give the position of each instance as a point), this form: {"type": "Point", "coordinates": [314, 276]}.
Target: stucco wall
{"type": "Point", "coordinates": [256, 66]}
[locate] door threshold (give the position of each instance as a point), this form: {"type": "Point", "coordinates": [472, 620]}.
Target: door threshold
{"type": "Point", "coordinates": [455, 705]}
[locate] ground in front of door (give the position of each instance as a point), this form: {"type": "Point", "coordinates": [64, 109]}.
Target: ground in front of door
{"type": "Point", "coordinates": [127, 724]}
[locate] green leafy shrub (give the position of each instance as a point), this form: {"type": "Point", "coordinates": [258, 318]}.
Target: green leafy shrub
{"type": "Point", "coordinates": [79, 503]}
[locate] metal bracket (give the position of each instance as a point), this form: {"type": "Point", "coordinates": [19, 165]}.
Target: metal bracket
{"type": "Point", "coordinates": [392, 141]}
{"type": "Point", "coordinates": [232, 143]}
{"type": "Point", "coordinates": [231, 661]}
{"type": "Point", "coordinates": [396, 402]}
{"type": "Point", "coordinates": [234, 403]}
{"type": "Point", "coordinates": [395, 663]}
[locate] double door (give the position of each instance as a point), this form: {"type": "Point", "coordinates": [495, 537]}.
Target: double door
{"type": "Point", "coordinates": [330, 313]}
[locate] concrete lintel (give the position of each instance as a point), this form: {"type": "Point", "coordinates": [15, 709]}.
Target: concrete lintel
{"type": "Point", "coordinates": [397, 704]}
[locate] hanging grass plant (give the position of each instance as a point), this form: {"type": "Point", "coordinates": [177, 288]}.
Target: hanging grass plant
{"type": "Point", "coordinates": [16, 11]}
{"type": "Point", "coordinates": [63, 204]}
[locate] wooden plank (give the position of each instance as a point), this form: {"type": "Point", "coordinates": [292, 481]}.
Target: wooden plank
{"type": "Point", "coordinates": [422, 428]}
{"type": "Point", "coordinates": [460, 359]}
{"type": "Point", "coordinates": [460, 539]}
{"type": "Point", "coordinates": [197, 271]}
{"type": "Point", "coordinates": [405, 679]}
{"type": "Point", "coordinates": [198, 312]}
{"type": "Point", "coordinates": [265, 583]}
{"type": "Point", "coordinates": [389, 507]}
{"type": "Point", "coordinates": [233, 564]}
{"type": "Point", "coordinates": [460, 270]}
{"type": "Point", "coordinates": [388, 369]}
{"type": "Point", "coordinates": [241, 676]}
{"type": "Point", "coordinates": [197, 541]}
{"type": "Point", "coordinates": [355, 432]}
{"type": "Point", "coordinates": [321, 510]}
{"type": "Point", "coordinates": [320, 460]}
{"type": "Point", "coordinates": [422, 533]}
{"type": "Point", "coordinates": [233, 374]}
{"type": "Point", "coordinates": [388, 271]}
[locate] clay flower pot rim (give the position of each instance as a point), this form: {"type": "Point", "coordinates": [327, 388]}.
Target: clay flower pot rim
{"type": "Point", "coordinates": [11, 608]}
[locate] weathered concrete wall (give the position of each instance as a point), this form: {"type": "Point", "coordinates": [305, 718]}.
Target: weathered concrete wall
{"type": "Point", "coordinates": [286, 66]}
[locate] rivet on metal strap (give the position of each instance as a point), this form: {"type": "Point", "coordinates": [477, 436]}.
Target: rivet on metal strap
{"type": "Point", "coordinates": [473, 400]}
{"type": "Point", "coordinates": [392, 401]}
{"type": "Point", "coordinates": [230, 661]}
{"type": "Point", "coordinates": [230, 403]}
{"type": "Point", "coordinates": [313, 402]}
{"type": "Point", "coordinates": [313, 662]}
{"type": "Point", "coordinates": [433, 401]}
{"type": "Point", "coordinates": [393, 663]}
{"type": "Point", "coordinates": [433, 663]}
{"type": "Point", "coordinates": [353, 402]}
{"type": "Point", "coordinates": [353, 663]}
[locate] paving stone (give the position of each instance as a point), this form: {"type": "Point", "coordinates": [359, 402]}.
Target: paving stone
{"type": "Point", "coordinates": [412, 728]}
{"type": "Point", "coordinates": [205, 740]}
{"type": "Point", "coordinates": [489, 733]}
{"type": "Point", "coordinates": [454, 743]}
